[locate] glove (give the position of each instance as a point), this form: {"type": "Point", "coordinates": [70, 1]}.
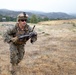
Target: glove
{"type": "Point", "coordinates": [33, 34]}
{"type": "Point", "coordinates": [14, 39]}
{"type": "Point", "coordinates": [33, 39]}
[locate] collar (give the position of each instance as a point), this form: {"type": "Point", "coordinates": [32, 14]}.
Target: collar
{"type": "Point", "coordinates": [18, 28]}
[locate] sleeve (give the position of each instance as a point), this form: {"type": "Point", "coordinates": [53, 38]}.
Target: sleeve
{"type": "Point", "coordinates": [8, 35]}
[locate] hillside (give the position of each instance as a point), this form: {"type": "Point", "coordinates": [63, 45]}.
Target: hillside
{"type": "Point", "coordinates": [51, 15]}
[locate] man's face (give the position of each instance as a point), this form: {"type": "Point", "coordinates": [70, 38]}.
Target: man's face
{"type": "Point", "coordinates": [22, 22]}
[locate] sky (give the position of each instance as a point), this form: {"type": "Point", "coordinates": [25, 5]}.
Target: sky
{"type": "Point", "coordinates": [67, 6]}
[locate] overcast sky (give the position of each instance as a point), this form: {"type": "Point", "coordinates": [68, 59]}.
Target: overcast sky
{"type": "Point", "coordinates": [67, 6]}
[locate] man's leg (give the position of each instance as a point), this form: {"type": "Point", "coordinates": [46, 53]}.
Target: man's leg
{"type": "Point", "coordinates": [21, 52]}
{"type": "Point", "coordinates": [13, 56]}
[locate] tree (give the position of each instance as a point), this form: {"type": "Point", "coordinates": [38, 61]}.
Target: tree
{"type": "Point", "coordinates": [46, 19]}
{"type": "Point", "coordinates": [34, 19]}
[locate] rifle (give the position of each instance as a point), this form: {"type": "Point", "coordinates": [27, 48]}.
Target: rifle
{"type": "Point", "coordinates": [31, 34]}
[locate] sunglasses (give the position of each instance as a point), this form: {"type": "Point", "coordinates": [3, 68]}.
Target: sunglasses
{"type": "Point", "coordinates": [23, 20]}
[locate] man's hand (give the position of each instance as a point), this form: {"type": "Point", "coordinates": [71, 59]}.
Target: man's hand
{"type": "Point", "coordinates": [14, 39]}
{"type": "Point", "coordinates": [33, 34]}
{"type": "Point", "coordinates": [33, 37]}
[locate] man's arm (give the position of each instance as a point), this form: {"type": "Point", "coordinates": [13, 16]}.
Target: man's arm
{"type": "Point", "coordinates": [8, 35]}
{"type": "Point", "coordinates": [33, 35]}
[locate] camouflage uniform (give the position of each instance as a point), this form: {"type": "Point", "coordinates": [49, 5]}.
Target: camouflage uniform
{"type": "Point", "coordinates": [17, 49]}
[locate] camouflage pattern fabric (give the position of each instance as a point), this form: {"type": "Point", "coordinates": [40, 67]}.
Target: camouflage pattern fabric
{"type": "Point", "coordinates": [17, 49]}
{"type": "Point", "coordinates": [16, 53]}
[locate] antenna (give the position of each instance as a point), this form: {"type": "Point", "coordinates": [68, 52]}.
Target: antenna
{"type": "Point", "coordinates": [24, 14]}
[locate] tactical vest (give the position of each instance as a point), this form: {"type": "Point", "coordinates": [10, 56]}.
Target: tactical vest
{"type": "Point", "coordinates": [20, 32]}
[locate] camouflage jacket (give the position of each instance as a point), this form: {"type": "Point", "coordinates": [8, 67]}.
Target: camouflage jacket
{"type": "Point", "coordinates": [15, 31]}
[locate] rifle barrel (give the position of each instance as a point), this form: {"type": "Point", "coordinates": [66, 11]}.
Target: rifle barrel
{"type": "Point", "coordinates": [23, 36]}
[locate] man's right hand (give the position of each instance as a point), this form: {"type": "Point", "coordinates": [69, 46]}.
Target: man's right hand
{"type": "Point", "coordinates": [14, 39]}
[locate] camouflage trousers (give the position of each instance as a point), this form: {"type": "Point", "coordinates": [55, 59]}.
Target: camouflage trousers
{"type": "Point", "coordinates": [16, 53]}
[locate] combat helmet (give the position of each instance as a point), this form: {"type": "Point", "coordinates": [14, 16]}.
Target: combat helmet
{"type": "Point", "coordinates": [22, 16]}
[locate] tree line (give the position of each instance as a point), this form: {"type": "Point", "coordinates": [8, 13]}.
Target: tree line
{"type": "Point", "coordinates": [6, 18]}
{"type": "Point", "coordinates": [33, 19]}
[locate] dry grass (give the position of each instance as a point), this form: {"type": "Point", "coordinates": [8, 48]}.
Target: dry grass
{"type": "Point", "coordinates": [54, 53]}
{"type": "Point", "coordinates": [58, 22]}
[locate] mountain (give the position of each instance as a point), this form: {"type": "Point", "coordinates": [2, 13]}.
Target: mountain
{"type": "Point", "coordinates": [51, 15]}
{"type": "Point", "coordinates": [73, 14]}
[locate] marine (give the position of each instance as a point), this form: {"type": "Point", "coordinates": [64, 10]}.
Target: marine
{"type": "Point", "coordinates": [17, 50]}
